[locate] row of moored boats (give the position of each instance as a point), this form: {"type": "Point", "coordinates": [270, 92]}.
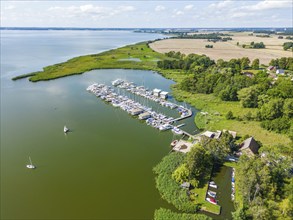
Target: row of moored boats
{"type": "Point", "coordinates": [211, 195]}
{"type": "Point", "coordinates": [233, 184]}
{"type": "Point", "coordinates": [155, 95]}
{"type": "Point", "coordinates": [154, 119]}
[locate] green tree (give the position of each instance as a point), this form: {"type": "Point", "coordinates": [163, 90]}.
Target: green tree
{"type": "Point", "coordinates": [288, 108]}
{"type": "Point", "coordinates": [255, 64]}
{"type": "Point", "coordinates": [273, 109]}
{"type": "Point", "coordinates": [181, 174]}
{"type": "Point", "coordinates": [218, 148]}
{"type": "Point", "coordinates": [249, 97]}
{"type": "Point", "coordinates": [198, 160]}
{"type": "Point", "coordinates": [288, 45]}
{"type": "Point", "coordinates": [245, 63]}
{"type": "Point", "coordinates": [239, 214]}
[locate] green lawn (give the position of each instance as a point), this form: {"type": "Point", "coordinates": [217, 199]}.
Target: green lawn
{"type": "Point", "coordinates": [215, 119]}
{"type": "Point", "coordinates": [199, 195]}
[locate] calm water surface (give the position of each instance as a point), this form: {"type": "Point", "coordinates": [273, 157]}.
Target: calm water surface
{"type": "Point", "coordinates": [100, 170]}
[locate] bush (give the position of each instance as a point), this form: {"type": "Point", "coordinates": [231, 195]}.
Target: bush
{"type": "Point", "coordinates": [166, 214]}
{"type": "Point", "coordinates": [229, 115]}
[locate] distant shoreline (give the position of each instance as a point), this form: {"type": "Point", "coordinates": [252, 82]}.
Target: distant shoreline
{"type": "Point", "coordinates": [149, 29]}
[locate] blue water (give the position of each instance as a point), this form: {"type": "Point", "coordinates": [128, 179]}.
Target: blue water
{"type": "Point", "coordinates": [100, 170]}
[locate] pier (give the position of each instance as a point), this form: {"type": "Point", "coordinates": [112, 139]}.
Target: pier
{"type": "Point", "coordinates": [152, 118]}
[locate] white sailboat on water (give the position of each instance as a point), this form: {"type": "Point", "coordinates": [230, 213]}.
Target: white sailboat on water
{"type": "Point", "coordinates": [30, 166]}
{"type": "Point", "coordinates": [65, 129]}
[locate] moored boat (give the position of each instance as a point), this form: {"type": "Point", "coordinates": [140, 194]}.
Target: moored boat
{"type": "Point", "coordinates": [177, 131]}
{"type": "Point", "coordinates": [173, 143]}
{"type": "Point", "coordinates": [212, 194]}
{"type": "Point", "coordinates": [213, 184]}
{"type": "Point", "coordinates": [211, 200]}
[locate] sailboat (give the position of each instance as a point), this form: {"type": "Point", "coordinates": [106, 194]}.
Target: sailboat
{"type": "Point", "coordinates": [65, 129]}
{"type": "Point", "coordinates": [30, 166]}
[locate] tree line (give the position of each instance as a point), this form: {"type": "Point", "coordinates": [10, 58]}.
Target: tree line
{"type": "Point", "coordinates": [225, 79]}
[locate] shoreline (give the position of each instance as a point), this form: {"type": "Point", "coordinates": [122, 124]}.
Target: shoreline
{"type": "Point", "coordinates": [111, 60]}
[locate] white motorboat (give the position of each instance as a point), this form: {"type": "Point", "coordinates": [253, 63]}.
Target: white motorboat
{"type": "Point", "coordinates": [213, 184]}
{"type": "Point", "coordinates": [30, 166]}
{"type": "Point", "coordinates": [65, 129]}
{"type": "Point", "coordinates": [177, 131]}
{"type": "Point", "coordinates": [165, 127]}
{"type": "Point", "coordinates": [212, 194]}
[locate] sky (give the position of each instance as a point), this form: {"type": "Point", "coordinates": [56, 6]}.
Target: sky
{"type": "Point", "coordinates": [147, 14]}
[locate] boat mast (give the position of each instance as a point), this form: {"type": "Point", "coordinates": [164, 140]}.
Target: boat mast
{"type": "Point", "coordinates": [30, 160]}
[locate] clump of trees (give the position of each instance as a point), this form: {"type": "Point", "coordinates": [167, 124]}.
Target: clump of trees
{"type": "Point", "coordinates": [168, 187]}
{"type": "Point", "coordinates": [209, 46]}
{"type": "Point", "coordinates": [265, 185]}
{"type": "Point", "coordinates": [225, 80]}
{"type": "Point", "coordinates": [283, 63]}
{"type": "Point", "coordinates": [288, 46]}
{"type": "Point", "coordinates": [257, 45]}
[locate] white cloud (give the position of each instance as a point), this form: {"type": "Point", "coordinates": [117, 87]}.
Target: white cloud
{"type": "Point", "coordinates": [241, 14]}
{"type": "Point", "coordinates": [9, 7]}
{"type": "Point", "coordinates": [91, 10]}
{"type": "Point", "coordinates": [221, 4]}
{"type": "Point", "coordinates": [188, 7]}
{"type": "Point", "coordinates": [160, 8]}
{"type": "Point", "coordinates": [268, 4]}
{"type": "Point", "coordinates": [179, 13]}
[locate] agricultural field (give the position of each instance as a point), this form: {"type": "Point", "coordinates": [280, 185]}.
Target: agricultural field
{"type": "Point", "coordinates": [227, 50]}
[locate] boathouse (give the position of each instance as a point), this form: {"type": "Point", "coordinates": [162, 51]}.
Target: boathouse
{"type": "Point", "coordinates": [157, 92]}
{"type": "Point", "coordinates": [164, 94]}
{"type": "Point", "coordinates": [144, 115]}
{"type": "Point", "coordinates": [136, 111]}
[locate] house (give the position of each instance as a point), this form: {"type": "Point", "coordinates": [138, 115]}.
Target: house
{"type": "Point", "coordinates": [211, 134]}
{"type": "Point", "coordinates": [164, 94]}
{"type": "Point", "coordinates": [271, 68]}
{"type": "Point", "coordinates": [157, 92]}
{"type": "Point", "coordinates": [248, 74]}
{"type": "Point", "coordinates": [280, 71]}
{"type": "Point", "coordinates": [249, 146]}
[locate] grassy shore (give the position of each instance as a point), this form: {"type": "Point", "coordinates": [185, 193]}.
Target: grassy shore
{"type": "Point", "coordinates": [215, 119]}
{"type": "Point", "coordinates": [138, 56]}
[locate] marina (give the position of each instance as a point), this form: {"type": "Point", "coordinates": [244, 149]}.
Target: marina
{"type": "Point", "coordinates": [143, 112]}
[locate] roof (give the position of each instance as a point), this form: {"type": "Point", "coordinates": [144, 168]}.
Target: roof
{"type": "Point", "coordinates": [250, 144]}
{"type": "Point", "coordinates": [209, 134]}
{"type": "Point", "coordinates": [185, 185]}
{"type": "Point", "coordinates": [157, 90]}
{"type": "Point", "coordinates": [164, 93]}
{"type": "Point", "coordinates": [280, 71]}
{"type": "Point", "coordinates": [145, 114]}
{"type": "Point", "coordinates": [136, 110]}
{"type": "Point", "coordinates": [271, 67]}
